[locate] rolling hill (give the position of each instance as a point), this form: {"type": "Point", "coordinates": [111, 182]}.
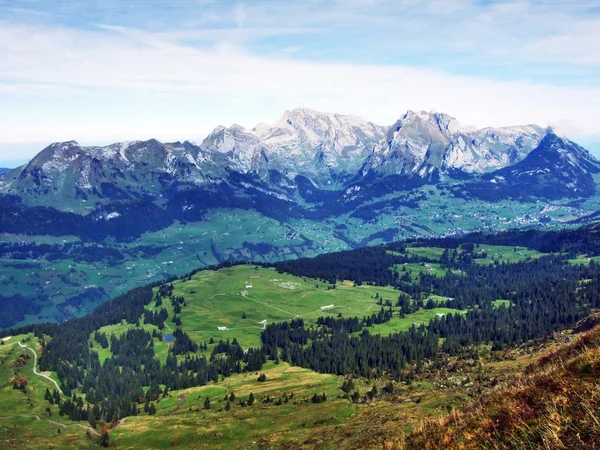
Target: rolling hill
{"type": "Point", "coordinates": [357, 349]}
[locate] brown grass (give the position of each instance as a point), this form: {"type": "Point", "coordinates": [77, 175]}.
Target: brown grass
{"type": "Point", "coordinates": [553, 404]}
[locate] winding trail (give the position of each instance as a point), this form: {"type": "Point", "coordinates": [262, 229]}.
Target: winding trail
{"type": "Point", "coordinates": [78, 425]}
{"type": "Point", "coordinates": [35, 367]}
{"type": "Point", "coordinates": [90, 429]}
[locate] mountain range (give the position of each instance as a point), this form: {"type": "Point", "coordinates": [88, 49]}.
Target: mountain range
{"type": "Point", "coordinates": [306, 156]}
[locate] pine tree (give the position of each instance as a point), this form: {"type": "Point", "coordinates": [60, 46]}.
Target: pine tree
{"type": "Point", "coordinates": [104, 440]}
{"type": "Point", "coordinates": [48, 396]}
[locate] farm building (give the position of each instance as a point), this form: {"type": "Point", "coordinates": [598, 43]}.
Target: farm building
{"type": "Point", "coordinates": [244, 293]}
{"type": "Point", "coordinates": [222, 328]}
{"type": "Point", "coordinates": [323, 308]}
{"type": "Point", "coordinates": [253, 277]}
{"type": "Point", "coordinates": [440, 315]}
{"type": "Point", "coordinates": [248, 286]}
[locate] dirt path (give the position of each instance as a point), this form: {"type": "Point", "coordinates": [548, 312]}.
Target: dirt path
{"type": "Point", "coordinates": [90, 429]}
{"type": "Point", "coordinates": [57, 423]}
{"type": "Point", "coordinates": [35, 367]}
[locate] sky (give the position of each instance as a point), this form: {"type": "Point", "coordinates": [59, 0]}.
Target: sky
{"type": "Point", "coordinates": [101, 71]}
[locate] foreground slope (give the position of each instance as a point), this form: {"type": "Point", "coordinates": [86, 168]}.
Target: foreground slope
{"type": "Point", "coordinates": [554, 403]}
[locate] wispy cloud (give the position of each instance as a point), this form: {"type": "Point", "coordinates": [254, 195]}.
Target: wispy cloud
{"type": "Point", "coordinates": [116, 72]}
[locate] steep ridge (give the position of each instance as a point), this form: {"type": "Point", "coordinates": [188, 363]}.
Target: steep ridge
{"type": "Point", "coordinates": [556, 168]}
{"type": "Point", "coordinates": [332, 151]}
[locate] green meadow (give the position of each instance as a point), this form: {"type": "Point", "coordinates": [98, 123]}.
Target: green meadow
{"type": "Point", "coordinates": [504, 254]}
{"type": "Point", "coordinates": [584, 259]}
{"type": "Point", "coordinates": [240, 298]}
{"type": "Point", "coordinates": [282, 411]}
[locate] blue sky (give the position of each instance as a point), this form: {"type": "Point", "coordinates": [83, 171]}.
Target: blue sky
{"type": "Point", "coordinates": [103, 71]}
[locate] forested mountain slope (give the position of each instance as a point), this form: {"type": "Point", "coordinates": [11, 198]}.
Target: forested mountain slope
{"type": "Point", "coordinates": [376, 326]}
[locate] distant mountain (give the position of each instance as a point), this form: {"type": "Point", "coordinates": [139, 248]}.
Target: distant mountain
{"type": "Point", "coordinates": [424, 142]}
{"type": "Point", "coordinates": [330, 147]}
{"type": "Point", "coordinates": [3, 170]}
{"type": "Point", "coordinates": [556, 168]}
{"type": "Point", "coordinates": [329, 151]}
{"type": "Point", "coordinates": [309, 164]}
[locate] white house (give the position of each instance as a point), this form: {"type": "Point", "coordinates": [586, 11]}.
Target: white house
{"type": "Point", "coordinates": [222, 328]}
{"type": "Point", "coordinates": [323, 308]}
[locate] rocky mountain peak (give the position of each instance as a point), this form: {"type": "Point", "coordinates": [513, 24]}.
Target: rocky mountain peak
{"type": "Point", "coordinates": [327, 149]}
{"type": "Point", "coordinates": [444, 122]}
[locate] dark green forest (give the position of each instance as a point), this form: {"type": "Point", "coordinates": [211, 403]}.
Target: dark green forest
{"type": "Point", "coordinates": [543, 295]}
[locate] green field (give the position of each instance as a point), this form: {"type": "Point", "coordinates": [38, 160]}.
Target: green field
{"type": "Point", "coordinates": [426, 252]}
{"type": "Point", "coordinates": [182, 422]}
{"type": "Point", "coordinates": [415, 269]}
{"type": "Point", "coordinates": [493, 253]}
{"type": "Point", "coordinates": [584, 259]}
{"type": "Point", "coordinates": [215, 299]}
{"type": "Point", "coordinates": [421, 317]}
{"type": "Point", "coordinates": [505, 254]}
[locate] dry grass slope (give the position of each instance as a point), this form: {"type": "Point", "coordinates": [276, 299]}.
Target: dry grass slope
{"type": "Point", "coordinates": [553, 404]}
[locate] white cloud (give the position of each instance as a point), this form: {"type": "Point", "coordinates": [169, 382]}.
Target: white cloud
{"type": "Point", "coordinates": [225, 83]}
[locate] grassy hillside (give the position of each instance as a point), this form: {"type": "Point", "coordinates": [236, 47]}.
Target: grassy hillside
{"type": "Point", "coordinates": [27, 420]}
{"type": "Point", "coordinates": [554, 384]}
{"type": "Point", "coordinates": [222, 299]}
{"type": "Point", "coordinates": [183, 422]}
{"type": "Point", "coordinates": [478, 380]}
{"type": "Point", "coordinates": [554, 403]}
{"type": "Point", "coordinates": [214, 300]}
